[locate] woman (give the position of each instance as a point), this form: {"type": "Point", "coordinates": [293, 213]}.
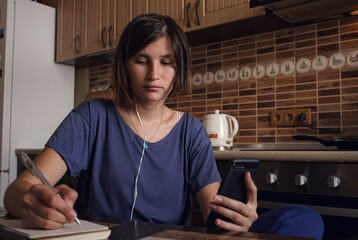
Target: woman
{"type": "Point", "coordinates": [135, 158]}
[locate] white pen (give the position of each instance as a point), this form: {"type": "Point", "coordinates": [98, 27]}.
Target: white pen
{"type": "Point", "coordinates": [26, 160]}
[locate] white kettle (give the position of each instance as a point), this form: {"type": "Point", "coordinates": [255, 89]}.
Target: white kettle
{"type": "Point", "coordinates": [221, 129]}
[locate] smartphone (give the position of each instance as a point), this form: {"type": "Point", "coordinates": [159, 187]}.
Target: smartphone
{"type": "Point", "coordinates": [233, 184]}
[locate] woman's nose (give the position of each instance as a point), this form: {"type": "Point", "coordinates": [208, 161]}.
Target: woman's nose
{"type": "Point", "coordinates": [153, 71]}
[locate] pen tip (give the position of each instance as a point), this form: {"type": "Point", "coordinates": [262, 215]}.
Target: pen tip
{"type": "Point", "coordinates": [78, 221]}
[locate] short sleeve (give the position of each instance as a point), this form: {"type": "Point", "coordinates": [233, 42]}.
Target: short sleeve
{"type": "Point", "coordinates": [71, 139]}
{"type": "Point", "coordinates": [202, 166]}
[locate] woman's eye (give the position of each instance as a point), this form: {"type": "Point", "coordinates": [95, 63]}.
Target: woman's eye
{"type": "Point", "coordinates": [167, 62]}
{"type": "Point", "coordinates": [139, 61]}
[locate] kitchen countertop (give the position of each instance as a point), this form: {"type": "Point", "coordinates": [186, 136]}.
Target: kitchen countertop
{"type": "Point", "coordinates": [287, 152]}
{"type": "Point", "coordinates": [307, 156]}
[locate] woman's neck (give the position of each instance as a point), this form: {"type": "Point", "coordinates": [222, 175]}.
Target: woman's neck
{"type": "Point", "coordinates": [147, 111]}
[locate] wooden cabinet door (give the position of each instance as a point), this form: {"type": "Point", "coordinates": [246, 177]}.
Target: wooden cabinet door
{"type": "Point", "coordinates": [139, 7]}
{"type": "Point", "coordinates": [69, 45]}
{"type": "Point", "coordinates": [120, 13]}
{"type": "Point", "coordinates": [173, 8]}
{"type": "Point", "coordinates": [193, 15]}
{"type": "Point", "coordinates": [93, 25]}
{"type": "Point", "coordinates": [215, 12]}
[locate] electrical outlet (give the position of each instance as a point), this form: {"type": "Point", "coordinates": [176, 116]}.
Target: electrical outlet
{"type": "Point", "coordinates": [290, 117]}
{"type": "Point", "coordinates": [307, 113]}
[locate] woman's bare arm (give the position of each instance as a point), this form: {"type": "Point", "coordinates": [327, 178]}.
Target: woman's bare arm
{"type": "Point", "coordinates": [32, 201]}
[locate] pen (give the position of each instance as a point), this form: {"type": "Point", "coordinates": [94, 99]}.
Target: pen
{"type": "Point", "coordinates": [26, 160]}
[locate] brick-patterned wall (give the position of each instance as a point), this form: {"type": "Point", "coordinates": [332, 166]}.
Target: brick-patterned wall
{"type": "Point", "coordinates": [331, 94]}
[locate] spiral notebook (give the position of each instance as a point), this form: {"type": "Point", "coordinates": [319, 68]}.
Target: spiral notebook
{"type": "Point", "coordinates": [13, 229]}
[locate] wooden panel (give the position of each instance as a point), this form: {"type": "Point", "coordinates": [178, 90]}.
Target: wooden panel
{"type": "Point", "coordinates": [175, 9]}
{"type": "Point", "coordinates": [92, 25]}
{"type": "Point", "coordinates": [122, 14]}
{"type": "Point", "coordinates": [216, 12]}
{"type": "Point", "coordinates": [105, 15]}
{"type": "Point", "coordinates": [68, 20]}
{"type": "Point", "coordinates": [178, 12]}
{"type": "Point", "coordinates": [68, 28]}
{"type": "Point", "coordinates": [139, 7]}
{"type": "Point", "coordinates": [209, 6]}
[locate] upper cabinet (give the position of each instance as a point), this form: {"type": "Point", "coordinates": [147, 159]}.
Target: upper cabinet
{"type": "Point", "coordinates": [103, 22]}
{"type": "Point", "coordinates": [86, 27]}
{"type": "Point", "coordinates": [89, 26]}
{"type": "Point", "coordinates": [120, 15]}
{"type": "Point", "coordinates": [207, 13]}
{"type": "Point", "coordinates": [68, 30]}
{"type": "Point", "coordinates": [173, 8]}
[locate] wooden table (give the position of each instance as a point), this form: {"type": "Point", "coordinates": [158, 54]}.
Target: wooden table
{"type": "Point", "coordinates": [124, 229]}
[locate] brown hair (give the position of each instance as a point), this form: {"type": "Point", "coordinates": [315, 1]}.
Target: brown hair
{"type": "Point", "coordinates": [138, 34]}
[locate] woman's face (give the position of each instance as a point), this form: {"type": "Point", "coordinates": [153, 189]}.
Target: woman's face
{"type": "Point", "coordinates": [152, 71]}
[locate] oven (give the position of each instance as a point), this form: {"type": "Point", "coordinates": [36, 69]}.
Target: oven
{"type": "Point", "coordinates": [329, 187]}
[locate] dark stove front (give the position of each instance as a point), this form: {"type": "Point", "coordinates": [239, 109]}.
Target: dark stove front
{"type": "Point", "coordinates": [330, 188]}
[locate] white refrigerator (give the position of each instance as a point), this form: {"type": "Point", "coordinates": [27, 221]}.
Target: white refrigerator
{"type": "Point", "coordinates": [35, 92]}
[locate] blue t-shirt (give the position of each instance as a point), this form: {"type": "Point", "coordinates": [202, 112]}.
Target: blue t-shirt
{"type": "Point", "coordinates": [100, 148]}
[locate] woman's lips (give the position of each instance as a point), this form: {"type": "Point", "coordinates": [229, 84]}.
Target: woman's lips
{"type": "Point", "coordinates": [152, 87]}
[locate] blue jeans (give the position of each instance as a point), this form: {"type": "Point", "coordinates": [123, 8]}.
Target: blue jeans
{"type": "Point", "coordinates": [290, 220]}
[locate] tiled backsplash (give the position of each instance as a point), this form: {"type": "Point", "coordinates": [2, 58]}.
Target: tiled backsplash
{"type": "Point", "coordinates": [331, 94]}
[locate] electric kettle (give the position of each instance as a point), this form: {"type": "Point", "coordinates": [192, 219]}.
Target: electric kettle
{"type": "Point", "coordinates": [221, 129]}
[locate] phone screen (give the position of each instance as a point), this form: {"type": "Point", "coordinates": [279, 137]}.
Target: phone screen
{"type": "Point", "coordinates": [233, 185]}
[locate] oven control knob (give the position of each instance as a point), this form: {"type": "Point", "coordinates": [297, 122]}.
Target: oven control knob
{"type": "Point", "coordinates": [300, 180]}
{"type": "Point", "coordinates": [333, 181]}
{"type": "Point", "coordinates": [271, 178]}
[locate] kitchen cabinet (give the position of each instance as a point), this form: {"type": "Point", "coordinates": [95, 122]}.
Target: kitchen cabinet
{"type": "Point", "coordinates": [68, 30]}
{"type": "Point", "coordinates": [120, 15]}
{"type": "Point", "coordinates": [89, 26]}
{"type": "Point", "coordinates": [86, 27]}
{"type": "Point", "coordinates": [174, 8]}
{"type": "Point", "coordinates": [103, 22]}
{"type": "Point", "coordinates": [207, 13]}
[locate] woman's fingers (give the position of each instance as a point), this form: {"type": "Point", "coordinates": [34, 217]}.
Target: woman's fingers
{"type": "Point", "coordinates": [251, 191]}
{"type": "Point", "coordinates": [68, 194]}
{"type": "Point", "coordinates": [241, 214]}
{"type": "Point", "coordinates": [232, 209]}
{"type": "Point", "coordinates": [33, 220]}
{"type": "Point", "coordinates": [45, 208]}
{"type": "Point", "coordinates": [242, 217]}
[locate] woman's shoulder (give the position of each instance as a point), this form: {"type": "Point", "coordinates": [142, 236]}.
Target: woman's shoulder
{"type": "Point", "coordinates": [92, 107]}
{"type": "Point", "coordinates": [192, 124]}
{"type": "Point", "coordinates": [191, 119]}
{"type": "Point", "coordinates": [94, 104]}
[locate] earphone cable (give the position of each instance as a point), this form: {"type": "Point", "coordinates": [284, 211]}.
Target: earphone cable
{"type": "Point", "coordinates": [141, 158]}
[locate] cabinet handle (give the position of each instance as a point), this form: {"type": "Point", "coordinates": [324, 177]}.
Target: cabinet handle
{"type": "Point", "coordinates": [109, 35]}
{"type": "Point", "coordinates": [196, 12]}
{"type": "Point", "coordinates": [187, 15]}
{"type": "Point", "coordinates": [77, 40]}
{"type": "Point", "coordinates": [103, 42]}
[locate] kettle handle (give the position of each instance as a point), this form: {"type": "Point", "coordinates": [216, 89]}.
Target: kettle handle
{"type": "Point", "coordinates": [232, 121]}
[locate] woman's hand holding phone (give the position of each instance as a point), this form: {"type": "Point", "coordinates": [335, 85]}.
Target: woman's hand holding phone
{"type": "Point", "coordinates": [241, 214]}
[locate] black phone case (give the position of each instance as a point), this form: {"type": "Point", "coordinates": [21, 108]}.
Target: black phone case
{"type": "Point", "coordinates": [233, 185]}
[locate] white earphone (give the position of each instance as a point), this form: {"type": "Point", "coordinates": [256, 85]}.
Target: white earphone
{"type": "Point", "coordinates": [141, 158]}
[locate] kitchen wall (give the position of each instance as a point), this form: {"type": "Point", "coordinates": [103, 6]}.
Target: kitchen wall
{"type": "Point", "coordinates": [330, 92]}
